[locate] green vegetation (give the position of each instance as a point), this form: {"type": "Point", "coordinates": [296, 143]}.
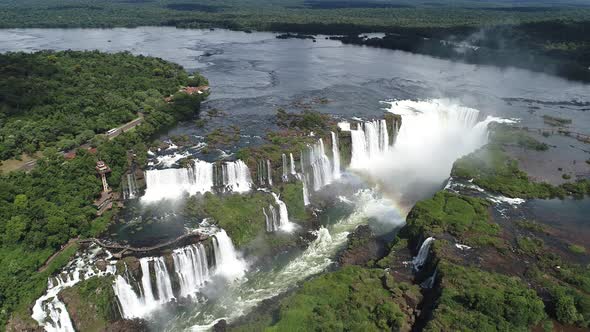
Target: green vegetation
{"type": "Point", "coordinates": [20, 283]}
{"type": "Point", "coordinates": [492, 169]}
{"type": "Point", "coordinates": [91, 303]}
{"type": "Point", "coordinates": [41, 210]}
{"type": "Point", "coordinates": [223, 136]}
{"type": "Point", "coordinates": [351, 299]}
{"type": "Point", "coordinates": [63, 99]}
{"type": "Point", "coordinates": [292, 195]}
{"type": "Point", "coordinates": [239, 215]}
{"type": "Point", "coordinates": [577, 249]}
{"type": "Point", "coordinates": [530, 245]}
{"type": "Point", "coordinates": [474, 300]}
{"type": "Point", "coordinates": [464, 217]}
{"type": "Point", "coordinates": [507, 135]}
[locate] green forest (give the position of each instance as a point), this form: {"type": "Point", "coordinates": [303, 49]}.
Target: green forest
{"type": "Point", "coordinates": [42, 209]}
{"type": "Point", "coordinates": [63, 100]}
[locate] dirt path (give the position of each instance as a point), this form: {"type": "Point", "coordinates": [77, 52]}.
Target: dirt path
{"type": "Point", "coordinates": [50, 259]}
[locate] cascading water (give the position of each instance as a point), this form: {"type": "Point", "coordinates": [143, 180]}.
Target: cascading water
{"type": "Point", "coordinates": [227, 262]}
{"type": "Point", "coordinates": [269, 173]}
{"type": "Point", "coordinates": [369, 141]}
{"type": "Point", "coordinates": [285, 176]}
{"type": "Point", "coordinates": [321, 168]}
{"type": "Point", "coordinates": [335, 156]}
{"type": "Point", "coordinates": [271, 218]}
{"type": "Point", "coordinates": [191, 267]}
{"type": "Point", "coordinates": [284, 223]}
{"type": "Point", "coordinates": [129, 186]}
{"type": "Point", "coordinates": [51, 313]}
{"type": "Point", "coordinates": [172, 183]}
{"type": "Point", "coordinates": [420, 259]}
{"type": "Point", "coordinates": [236, 176]}
{"type": "Point", "coordinates": [293, 172]}
{"type": "Point", "coordinates": [163, 283]}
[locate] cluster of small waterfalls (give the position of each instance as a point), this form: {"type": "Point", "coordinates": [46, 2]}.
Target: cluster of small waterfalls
{"type": "Point", "coordinates": [182, 275]}
{"type": "Point", "coordinates": [380, 148]}
{"type": "Point", "coordinates": [199, 177]}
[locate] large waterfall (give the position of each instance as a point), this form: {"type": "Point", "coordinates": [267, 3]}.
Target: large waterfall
{"type": "Point", "coordinates": [199, 177]}
{"type": "Point", "coordinates": [369, 141]}
{"type": "Point", "coordinates": [191, 267]}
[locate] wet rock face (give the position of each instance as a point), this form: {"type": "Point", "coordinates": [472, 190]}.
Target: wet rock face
{"type": "Point", "coordinates": [221, 326]}
{"type": "Point", "coordinates": [128, 325]}
{"type": "Point", "coordinates": [362, 247]}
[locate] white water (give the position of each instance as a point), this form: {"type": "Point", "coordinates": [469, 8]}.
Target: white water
{"type": "Point", "coordinates": [228, 263]}
{"type": "Point", "coordinates": [420, 259]}
{"type": "Point", "coordinates": [335, 156]}
{"type": "Point", "coordinates": [284, 223]}
{"type": "Point", "coordinates": [260, 285]}
{"type": "Point", "coordinates": [292, 160]}
{"type": "Point", "coordinates": [269, 173]}
{"type": "Point", "coordinates": [190, 265]}
{"type": "Point", "coordinates": [369, 141]}
{"type": "Point", "coordinates": [271, 218]}
{"type": "Point", "coordinates": [173, 183]}
{"type": "Point", "coordinates": [432, 136]}
{"type": "Point", "coordinates": [131, 188]}
{"type": "Point", "coordinates": [321, 167]}
{"type": "Point", "coordinates": [51, 313]}
{"type": "Point", "coordinates": [236, 176]}
{"type": "Point", "coordinates": [285, 176]}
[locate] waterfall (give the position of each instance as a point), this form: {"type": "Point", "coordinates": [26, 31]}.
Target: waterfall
{"type": "Point", "coordinates": [131, 305]}
{"type": "Point", "coordinates": [304, 181]}
{"type": "Point", "coordinates": [272, 220]}
{"type": "Point", "coordinates": [200, 177]}
{"type": "Point", "coordinates": [269, 173]}
{"type": "Point", "coordinates": [191, 267]}
{"type": "Point", "coordinates": [320, 166]}
{"type": "Point", "coordinates": [420, 259]}
{"type": "Point", "coordinates": [163, 283]}
{"type": "Point", "coordinates": [369, 141]}
{"type": "Point", "coordinates": [335, 156]}
{"type": "Point", "coordinates": [293, 172]}
{"type": "Point", "coordinates": [129, 186]}
{"type": "Point", "coordinates": [284, 223]}
{"type": "Point", "coordinates": [146, 281]}
{"type": "Point", "coordinates": [49, 311]}
{"type": "Point", "coordinates": [236, 176]}
{"type": "Point", "coordinates": [285, 176]}
{"type": "Point", "coordinates": [429, 282]}
{"type": "Point", "coordinates": [172, 183]}
{"type": "Point", "coordinates": [227, 262]}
